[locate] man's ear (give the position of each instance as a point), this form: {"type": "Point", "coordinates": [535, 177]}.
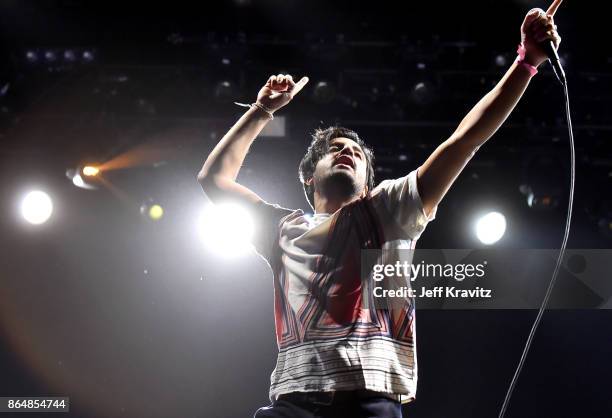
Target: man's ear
{"type": "Point", "coordinates": [308, 182]}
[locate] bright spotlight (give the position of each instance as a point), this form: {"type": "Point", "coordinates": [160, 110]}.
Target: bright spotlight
{"type": "Point", "coordinates": [156, 212]}
{"type": "Point", "coordinates": [151, 209]}
{"type": "Point", "coordinates": [89, 170]}
{"type": "Point", "coordinates": [226, 229]}
{"type": "Point", "coordinates": [74, 175]}
{"type": "Point", "coordinates": [78, 181]}
{"type": "Point", "coordinates": [491, 227]}
{"type": "Point", "coordinates": [36, 207]}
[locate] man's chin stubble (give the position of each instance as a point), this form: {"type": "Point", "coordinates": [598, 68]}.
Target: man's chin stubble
{"type": "Point", "coordinates": [340, 184]}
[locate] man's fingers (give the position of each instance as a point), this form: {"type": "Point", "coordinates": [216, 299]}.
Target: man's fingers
{"type": "Point", "coordinates": [299, 85]}
{"type": "Point", "coordinates": [552, 35]}
{"type": "Point", "coordinates": [540, 20]}
{"type": "Point", "coordinates": [532, 15]}
{"type": "Point", "coordinates": [284, 84]}
{"type": "Point", "coordinates": [290, 81]}
{"type": "Point", "coordinates": [541, 23]}
{"type": "Point", "coordinates": [553, 7]}
{"type": "Point", "coordinates": [302, 82]}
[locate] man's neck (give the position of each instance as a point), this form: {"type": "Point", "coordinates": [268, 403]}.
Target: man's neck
{"type": "Point", "coordinates": [325, 204]}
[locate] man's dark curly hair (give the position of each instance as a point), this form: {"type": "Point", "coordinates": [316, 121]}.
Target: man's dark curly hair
{"type": "Point", "coordinates": [320, 146]}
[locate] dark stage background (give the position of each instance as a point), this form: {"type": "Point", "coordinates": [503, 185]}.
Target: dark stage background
{"type": "Point", "coordinates": [134, 318]}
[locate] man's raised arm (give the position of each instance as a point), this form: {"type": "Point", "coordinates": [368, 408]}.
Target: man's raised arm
{"type": "Point", "coordinates": [440, 170]}
{"type": "Point", "coordinates": [218, 174]}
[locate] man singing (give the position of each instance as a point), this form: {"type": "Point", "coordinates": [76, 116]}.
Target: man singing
{"type": "Point", "coordinates": [337, 358]}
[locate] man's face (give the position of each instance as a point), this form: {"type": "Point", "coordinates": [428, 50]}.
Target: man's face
{"type": "Point", "coordinates": [342, 172]}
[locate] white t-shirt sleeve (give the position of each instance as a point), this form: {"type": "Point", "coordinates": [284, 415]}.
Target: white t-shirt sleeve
{"type": "Point", "coordinates": [401, 199]}
{"type": "Point", "coordinates": [267, 218]}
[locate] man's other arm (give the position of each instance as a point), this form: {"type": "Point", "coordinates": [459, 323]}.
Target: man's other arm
{"type": "Point", "coordinates": [440, 170]}
{"type": "Point", "coordinates": [218, 174]}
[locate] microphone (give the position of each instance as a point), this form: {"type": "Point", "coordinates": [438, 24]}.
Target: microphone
{"type": "Point", "coordinates": [554, 60]}
{"type": "Point", "coordinates": [549, 47]}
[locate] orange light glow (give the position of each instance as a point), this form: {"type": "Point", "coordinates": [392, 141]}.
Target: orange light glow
{"type": "Point", "coordinates": [90, 171]}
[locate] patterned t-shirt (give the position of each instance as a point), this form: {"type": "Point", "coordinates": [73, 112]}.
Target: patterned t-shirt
{"type": "Point", "coordinates": [326, 340]}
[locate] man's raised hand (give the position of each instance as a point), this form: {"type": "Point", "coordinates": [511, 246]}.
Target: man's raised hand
{"type": "Point", "coordinates": [538, 27]}
{"type": "Point", "coordinates": [279, 90]}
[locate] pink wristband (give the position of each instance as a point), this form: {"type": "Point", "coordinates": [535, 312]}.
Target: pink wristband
{"type": "Point", "coordinates": [521, 60]}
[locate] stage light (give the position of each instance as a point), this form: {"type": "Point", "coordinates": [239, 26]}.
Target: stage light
{"type": "Point", "coordinates": [490, 228]}
{"type": "Point", "coordinates": [36, 207]}
{"type": "Point", "coordinates": [501, 60]}
{"type": "Point", "coordinates": [90, 171]}
{"type": "Point", "coordinates": [224, 91]}
{"type": "Point", "coordinates": [540, 181]}
{"type": "Point", "coordinates": [88, 55]}
{"type": "Point", "coordinates": [69, 55]}
{"type": "Point", "coordinates": [74, 175]}
{"type": "Point", "coordinates": [226, 229]}
{"type": "Point", "coordinates": [324, 92]}
{"type": "Point", "coordinates": [50, 56]}
{"type": "Point", "coordinates": [78, 181]}
{"type": "Point", "coordinates": [31, 56]}
{"type": "Point", "coordinates": [156, 212]}
{"type": "Point", "coordinates": [542, 202]}
{"type": "Point", "coordinates": [423, 92]}
{"type": "Point", "coordinates": [151, 209]}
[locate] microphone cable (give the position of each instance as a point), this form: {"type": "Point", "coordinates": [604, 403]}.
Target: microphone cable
{"type": "Point", "coordinates": [570, 204]}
